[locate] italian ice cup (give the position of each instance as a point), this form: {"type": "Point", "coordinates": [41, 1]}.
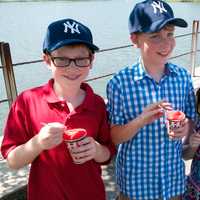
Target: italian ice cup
{"type": "Point", "coordinates": [72, 137]}
{"type": "Point", "coordinates": [175, 119]}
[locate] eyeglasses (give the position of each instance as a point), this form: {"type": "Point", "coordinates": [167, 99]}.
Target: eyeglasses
{"type": "Point", "coordinates": [65, 62]}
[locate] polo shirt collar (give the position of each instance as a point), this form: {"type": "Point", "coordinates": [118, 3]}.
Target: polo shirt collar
{"type": "Point", "coordinates": [89, 101]}
{"type": "Point", "coordinates": [50, 96]}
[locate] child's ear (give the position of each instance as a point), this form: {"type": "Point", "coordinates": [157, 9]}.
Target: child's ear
{"type": "Point", "coordinates": [46, 59]}
{"type": "Point", "coordinates": [92, 59]}
{"type": "Point", "coordinates": [134, 39]}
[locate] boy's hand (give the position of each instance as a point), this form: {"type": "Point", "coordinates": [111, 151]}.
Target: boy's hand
{"type": "Point", "coordinates": [84, 151]}
{"type": "Point", "coordinates": [180, 132]}
{"type": "Point", "coordinates": [154, 111]}
{"type": "Point", "coordinates": [194, 139]}
{"type": "Point", "coordinates": [50, 135]}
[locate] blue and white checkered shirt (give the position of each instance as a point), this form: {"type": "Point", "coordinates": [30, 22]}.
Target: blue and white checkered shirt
{"type": "Point", "coordinates": [149, 166]}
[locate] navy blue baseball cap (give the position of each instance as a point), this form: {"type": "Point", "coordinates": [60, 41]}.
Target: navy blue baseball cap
{"type": "Point", "coordinates": [151, 16]}
{"type": "Point", "coordinates": [66, 32]}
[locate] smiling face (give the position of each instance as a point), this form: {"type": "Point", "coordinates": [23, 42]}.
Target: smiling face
{"type": "Point", "coordinates": [63, 64]}
{"type": "Point", "coordinates": [157, 47]}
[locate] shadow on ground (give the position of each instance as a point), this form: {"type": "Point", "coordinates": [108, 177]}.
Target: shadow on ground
{"type": "Point", "coordinates": [13, 183]}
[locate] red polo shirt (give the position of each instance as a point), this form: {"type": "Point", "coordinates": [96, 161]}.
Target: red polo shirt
{"type": "Point", "coordinates": [53, 175]}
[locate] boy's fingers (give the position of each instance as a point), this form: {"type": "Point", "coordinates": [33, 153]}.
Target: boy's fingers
{"type": "Point", "coordinates": [155, 105]}
{"type": "Point", "coordinates": [160, 104]}
{"type": "Point", "coordinates": [152, 107]}
{"type": "Point", "coordinates": [84, 141]}
{"type": "Point", "coordinates": [172, 135]}
{"type": "Point", "coordinates": [166, 106]}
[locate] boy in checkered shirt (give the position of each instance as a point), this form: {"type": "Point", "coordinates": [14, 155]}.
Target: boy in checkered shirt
{"type": "Point", "coordinates": [149, 162]}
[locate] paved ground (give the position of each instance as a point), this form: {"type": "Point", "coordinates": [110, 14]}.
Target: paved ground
{"type": "Point", "coordinates": [11, 180]}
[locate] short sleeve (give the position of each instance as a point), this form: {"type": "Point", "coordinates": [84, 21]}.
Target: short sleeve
{"type": "Point", "coordinates": [15, 131]}
{"type": "Point", "coordinates": [115, 102]}
{"type": "Point", "coordinates": [190, 108]}
{"type": "Point", "coordinates": [104, 136]}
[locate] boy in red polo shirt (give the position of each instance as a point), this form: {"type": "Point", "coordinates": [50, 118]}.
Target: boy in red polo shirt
{"type": "Point", "coordinates": [37, 119]}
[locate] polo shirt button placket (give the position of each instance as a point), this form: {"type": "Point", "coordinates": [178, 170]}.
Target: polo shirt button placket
{"type": "Point", "coordinates": [67, 120]}
{"type": "Point", "coordinates": [68, 117]}
{"type": "Point", "coordinates": [63, 105]}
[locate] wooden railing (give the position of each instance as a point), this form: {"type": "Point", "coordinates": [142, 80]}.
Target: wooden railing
{"type": "Point", "coordinates": [9, 76]}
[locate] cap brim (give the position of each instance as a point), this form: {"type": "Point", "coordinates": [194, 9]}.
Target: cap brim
{"type": "Point", "coordinates": [69, 42]}
{"type": "Point", "coordinates": [178, 22]}
{"type": "Point", "coordinates": [158, 25]}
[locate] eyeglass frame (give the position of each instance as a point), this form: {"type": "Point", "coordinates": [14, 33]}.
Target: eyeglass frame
{"type": "Point", "coordinates": [70, 60]}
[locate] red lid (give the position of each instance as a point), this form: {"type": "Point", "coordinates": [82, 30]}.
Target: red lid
{"type": "Point", "coordinates": [175, 115]}
{"type": "Point", "coordinates": [74, 134]}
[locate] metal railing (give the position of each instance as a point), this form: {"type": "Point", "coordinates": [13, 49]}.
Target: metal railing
{"type": "Point", "coordinates": [9, 77]}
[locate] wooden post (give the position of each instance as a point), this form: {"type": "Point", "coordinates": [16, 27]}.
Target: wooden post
{"type": "Point", "coordinates": [195, 30]}
{"type": "Point", "coordinates": [8, 72]}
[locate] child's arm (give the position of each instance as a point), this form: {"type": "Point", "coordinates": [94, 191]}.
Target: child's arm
{"type": "Point", "coordinates": [190, 148]}
{"type": "Point", "coordinates": [49, 136]}
{"type": "Point", "coordinates": [24, 154]}
{"type": "Point", "coordinates": [188, 152]}
{"type": "Point", "coordinates": [122, 133]}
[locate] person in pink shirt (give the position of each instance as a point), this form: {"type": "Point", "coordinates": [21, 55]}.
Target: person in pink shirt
{"type": "Point", "coordinates": [33, 132]}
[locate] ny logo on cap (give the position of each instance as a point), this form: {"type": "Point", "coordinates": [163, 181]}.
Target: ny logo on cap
{"type": "Point", "coordinates": [158, 6]}
{"type": "Point", "coordinates": [73, 27]}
